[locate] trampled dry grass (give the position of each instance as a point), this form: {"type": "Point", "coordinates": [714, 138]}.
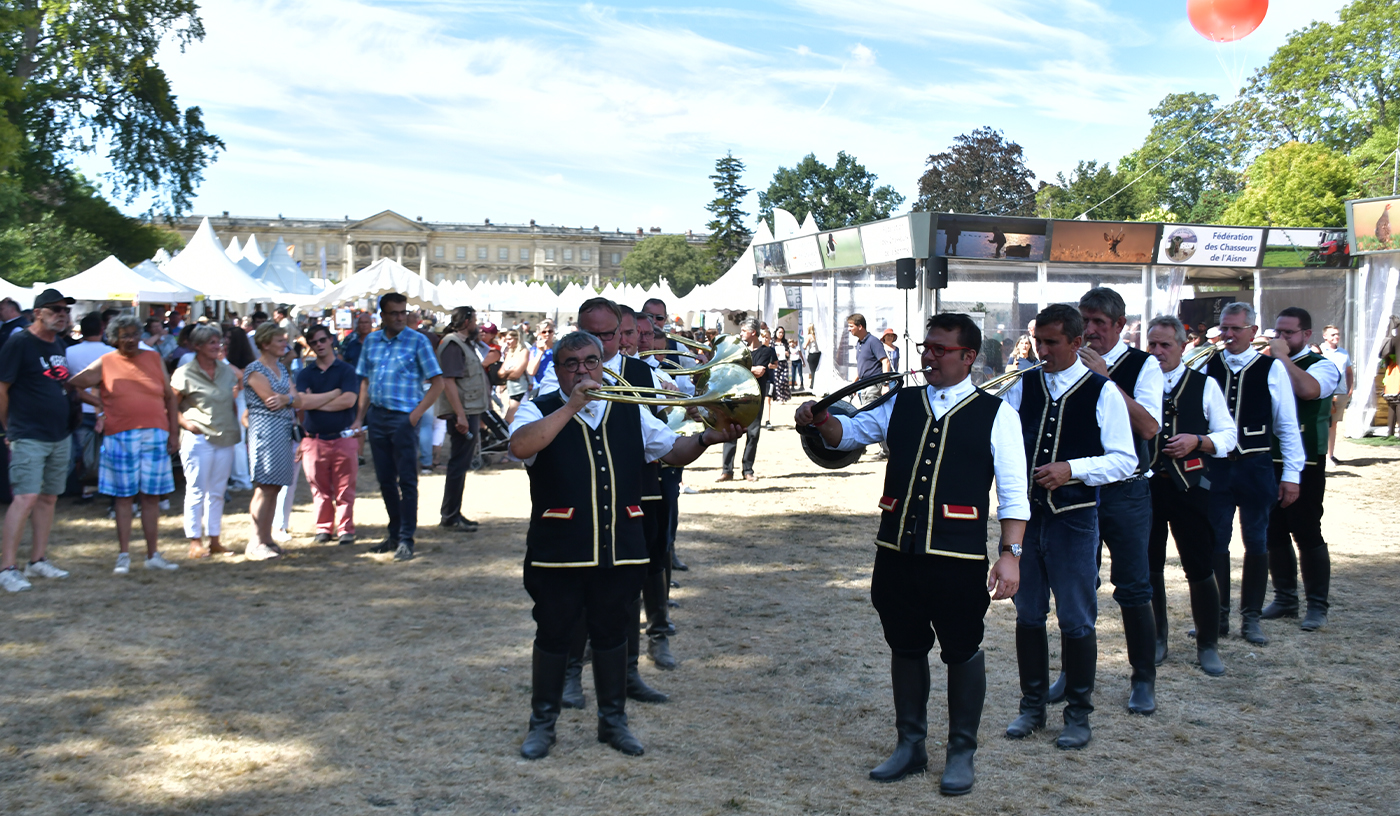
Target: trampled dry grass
{"type": "Point", "coordinates": [338, 682]}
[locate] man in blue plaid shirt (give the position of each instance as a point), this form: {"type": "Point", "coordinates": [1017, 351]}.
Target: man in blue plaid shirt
{"type": "Point", "coordinates": [399, 381]}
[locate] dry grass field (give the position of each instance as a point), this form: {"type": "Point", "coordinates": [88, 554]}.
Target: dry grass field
{"type": "Point", "coordinates": [338, 682]}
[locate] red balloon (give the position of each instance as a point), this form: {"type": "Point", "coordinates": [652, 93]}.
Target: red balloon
{"type": "Point", "coordinates": [1226, 20]}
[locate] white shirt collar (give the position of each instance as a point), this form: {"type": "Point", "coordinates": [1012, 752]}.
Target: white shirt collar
{"type": "Point", "coordinates": [1300, 355]}
{"type": "Point", "coordinates": [951, 394]}
{"type": "Point", "coordinates": [1241, 359]}
{"type": "Point", "coordinates": [1117, 351]}
{"type": "Point", "coordinates": [1172, 377]}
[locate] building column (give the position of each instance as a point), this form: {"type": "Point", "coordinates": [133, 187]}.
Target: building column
{"type": "Point", "coordinates": [373, 251]}
{"type": "Point", "coordinates": [423, 260]}
{"type": "Point", "coordinates": [349, 258]}
{"type": "Point", "coordinates": [398, 253]}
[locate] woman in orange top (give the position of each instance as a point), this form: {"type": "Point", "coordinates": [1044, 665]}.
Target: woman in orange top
{"type": "Point", "coordinates": [140, 420]}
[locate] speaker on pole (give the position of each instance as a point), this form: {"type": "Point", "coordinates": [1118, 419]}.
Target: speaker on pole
{"type": "Point", "coordinates": [937, 273]}
{"type": "Point", "coordinates": [906, 274]}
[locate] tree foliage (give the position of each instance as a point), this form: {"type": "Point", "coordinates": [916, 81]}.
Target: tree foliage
{"type": "Point", "coordinates": [837, 196]}
{"type": "Point", "coordinates": [729, 236]}
{"type": "Point", "coordinates": [47, 250]}
{"type": "Point", "coordinates": [1192, 150]}
{"type": "Point", "coordinates": [981, 173]}
{"type": "Point", "coordinates": [1295, 185]}
{"type": "Point", "coordinates": [671, 257]}
{"type": "Point", "coordinates": [1088, 185]}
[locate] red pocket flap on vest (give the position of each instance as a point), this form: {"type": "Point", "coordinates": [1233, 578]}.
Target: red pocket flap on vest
{"type": "Point", "coordinates": [565, 513]}
{"type": "Point", "coordinates": [888, 504]}
{"type": "Point", "coordinates": [633, 511]}
{"type": "Point", "coordinates": [1192, 464]}
{"type": "Point", "coordinates": [959, 511]}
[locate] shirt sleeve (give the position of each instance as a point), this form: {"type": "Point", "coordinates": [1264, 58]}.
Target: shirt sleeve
{"type": "Point", "coordinates": [1326, 376]}
{"type": "Point", "coordinates": [363, 367]}
{"type": "Point", "coordinates": [1148, 390]}
{"type": "Point", "coordinates": [177, 381]}
{"type": "Point", "coordinates": [1290, 438]}
{"type": "Point", "coordinates": [527, 412]}
{"type": "Point", "coordinates": [1119, 458]}
{"type": "Point", "coordinates": [657, 438]}
{"type": "Point", "coordinates": [1223, 432]}
{"type": "Point", "coordinates": [453, 361]}
{"type": "Point", "coordinates": [549, 382]}
{"type": "Point", "coordinates": [349, 383]}
{"type": "Point", "coordinates": [427, 360]}
{"type": "Point", "coordinates": [1009, 459]}
{"type": "Point", "coordinates": [303, 378]}
{"type": "Point", "coordinates": [1012, 395]}
{"type": "Point", "coordinates": [867, 427]}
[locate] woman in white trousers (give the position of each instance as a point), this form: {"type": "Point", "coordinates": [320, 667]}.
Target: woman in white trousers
{"type": "Point", "coordinates": [209, 432]}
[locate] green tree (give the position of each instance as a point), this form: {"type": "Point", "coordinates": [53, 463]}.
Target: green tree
{"type": "Point", "coordinates": [47, 250]}
{"type": "Point", "coordinates": [1193, 147]}
{"type": "Point", "coordinates": [1375, 159]}
{"type": "Point", "coordinates": [981, 173]}
{"type": "Point", "coordinates": [728, 235]}
{"type": "Point", "coordinates": [1295, 185]}
{"type": "Point", "coordinates": [670, 257]}
{"type": "Point", "coordinates": [837, 196]}
{"type": "Point", "coordinates": [1090, 188]}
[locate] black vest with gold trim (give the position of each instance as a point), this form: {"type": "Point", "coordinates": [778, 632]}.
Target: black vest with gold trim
{"type": "Point", "coordinates": [637, 372]}
{"type": "Point", "coordinates": [1124, 374]}
{"type": "Point", "coordinates": [1058, 431]}
{"type": "Point", "coordinates": [1247, 395]}
{"type": "Point", "coordinates": [1183, 411]}
{"type": "Point", "coordinates": [585, 491]}
{"type": "Point", "coordinates": [939, 476]}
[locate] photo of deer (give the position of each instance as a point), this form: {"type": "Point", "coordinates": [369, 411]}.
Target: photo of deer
{"type": "Point", "coordinates": [1102, 242]}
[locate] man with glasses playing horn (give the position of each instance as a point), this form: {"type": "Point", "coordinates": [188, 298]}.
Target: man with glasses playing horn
{"type": "Point", "coordinates": [947, 442]}
{"type": "Point", "coordinates": [585, 553]}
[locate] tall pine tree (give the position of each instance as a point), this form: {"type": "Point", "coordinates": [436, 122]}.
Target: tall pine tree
{"type": "Point", "coordinates": [728, 235]}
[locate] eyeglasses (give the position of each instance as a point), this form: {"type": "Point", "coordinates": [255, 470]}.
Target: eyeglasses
{"type": "Point", "coordinates": [322, 339]}
{"type": "Point", "coordinates": [1288, 332]}
{"type": "Point", "coordinates": [660, 318]}
{"type": "Point", "coordinates": [938, 351]}
{"type": "Point", "coordinates": [57, 309]}
{"type": "Point", "coordinates": [573, 364]}
{"type": "Point", "coordinates": [605, 336]}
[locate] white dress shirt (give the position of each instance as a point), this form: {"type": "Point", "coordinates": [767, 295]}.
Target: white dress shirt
{"type": "Point", "coordinates": [1119, 459]}
{"type": "Point", "coordinates": [1147, 391]}
{"type": "Point", "coordinates": [657, 439]}
{"type": "Point", "coordinates": [1223, 433]}
{"type": "Point", "coordinates": [1285, 411]}
{"type": "Point", "coordinates": [1008, 449]}
{"type": "Point", "coordinates": [1326, 375]}
{"type": "Point", "coordinates": [682, 382]}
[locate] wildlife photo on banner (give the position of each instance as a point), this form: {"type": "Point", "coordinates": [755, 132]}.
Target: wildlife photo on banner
{"type": "Point", "coordinates": [1197, 245]}
{"type": "Point", "coordinates": [985, 236]}
{"type": "Point", "coordinates": [1371, 223]}
{"type": "Point", "coordinates": [1102, 242]}
{"type": "Point", "coordinates": [841, 248]}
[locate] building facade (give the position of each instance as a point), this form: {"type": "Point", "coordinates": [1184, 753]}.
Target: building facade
{"type": "Point", "coordinates": [439, 251]}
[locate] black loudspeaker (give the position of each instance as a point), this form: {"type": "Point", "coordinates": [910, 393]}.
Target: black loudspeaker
{"type": "Point", "coordinates": [906, 275]}
{"type": "Point", "coordinates": [937, 273]}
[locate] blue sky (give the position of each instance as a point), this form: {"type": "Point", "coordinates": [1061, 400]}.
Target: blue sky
{"type": "Point", "coordinates": [613, 114]}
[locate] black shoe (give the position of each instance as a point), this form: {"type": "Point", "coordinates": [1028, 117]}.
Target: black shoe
{"type": "Point", "coordinates": [610, 683]}
{"type": "Point", "coordinates": [322, 538]}
{"type": "Point", "coordinates": [1159, 617]}
{"type": "Point", "coordinates": [1033, 662]}
{"type": "Point", "coordinates": [1205, 608]}
{"type": "Point", "coordinates": [459, 523]}
{"type": "Point", "coordinates": [637, 688]}
{"type": "Point", "coordinates": [1080, 656]}
{"type": "Point", "coordinates": [967, 689]}
{"type": "Point", "coordinates": [677, 564]}
{"type": "Point", "coordinates": [347, 539]}
{"type": "Point", "coordinates": [659, 650]}
{"type": "Point", "coordinates": [1140, 630]}
{"type": "Point", "coordinates": [909, 678]}
{"type": "Point", "coordinates": [1254, 581]}
{"type": "Point", "coordinates": [1316, 566]}
{"type": "Point", "coordinates": [388, 545]}
{"type": "Point", "coordinates": [1283, 573]}
{"type": "Point", "coordinates": [404, 552]}
{"type": "Point", "coordinates": [547, 687]}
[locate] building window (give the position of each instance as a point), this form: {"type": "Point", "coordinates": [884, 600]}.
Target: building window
{"type": "Point", "coordinates": [439, 251]}
{"type": "Point", "coordinates": [525, 255]}
{"type": "Point", "coordinates": [309, 249]}
{"type": "Point", "coordinates": [616, 258]}
{"type": "Point", "coordinates": [481, 253]}
{"type": "Point", "coordinates": [461, 253]}
{"type": "Point", "coordinates": [439, 277]}
{"type": "Point", "coordinates": [503, 279]}
{"type": "Point", "coordinates": [549, 255]}
{"type": "Point", "coordinates": [462, 277]}
{"type": "Point", "coordinates": [332, 250]}
{"type": "Point", "coordinates": [585, 255]}
{"type": "Point", "coordinates": [568, 255]}
{"type": "Point", "coordinates": [503, 253]}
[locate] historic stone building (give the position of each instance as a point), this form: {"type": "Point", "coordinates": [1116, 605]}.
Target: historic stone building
{"type": "Point", "coordinates": [440, 251]}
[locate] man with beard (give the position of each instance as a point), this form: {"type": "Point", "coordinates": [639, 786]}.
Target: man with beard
{"type": "Point", "coordinates": [465, 398]}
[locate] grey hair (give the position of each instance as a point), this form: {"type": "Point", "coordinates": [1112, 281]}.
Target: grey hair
{"type": "Point", "coordinates": [575, 340]}
{"type": "Point", "coordinates": [1239, 307]}
{"type": "Point", "coordinates": [750, 324]}
{"type": "Point", "coordinates": [203, 333]}
{"type": "Point", "coordinates": [1105, 301]}
{"type": "Point", "coordinates": [1172, 323]}
{"type": "Point", "coordinates": [115, 326]}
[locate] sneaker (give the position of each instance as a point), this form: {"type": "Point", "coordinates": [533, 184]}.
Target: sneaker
{"type": "Point", "coordinates": [689, 490]}
{"type": "Point", "coordinates": [403, 553]}
{"type": "Point", "coordinates": [323, 538]}
{"type": "Point", "coordinates": [164, 504]}
{"type": "Point", "coordinates": [44, 569]}
{"type": "Point", "coordinates": [12, 581]}
{"type": "Point", "coordinates": [257, 551]}
{"type": "Point", "coordinates": [156, 561]}
{"type": "Point", "coordinates": [425, 472]}
{"type": "Point", "coordinates": [280, 535]}
{"type": "Point", "coordinates": [123, 564]}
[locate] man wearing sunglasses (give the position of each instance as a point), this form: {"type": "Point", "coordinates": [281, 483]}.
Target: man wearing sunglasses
{"type": "Point", "coordinates": [330, 459]}
{"type": "Point", "coordinates": [931, 583]}
{"type": "Point", "coordinates": [586, 555]}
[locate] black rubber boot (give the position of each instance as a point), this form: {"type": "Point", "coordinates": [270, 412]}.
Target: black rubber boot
{"type": "Point", "coordinates": [1254, 582]}
{"type": "Point", "coordinates": [1283, 569]}
{"type": "Point", "coordinates": [1220, 564]}
{"type": "Point", "coordinates": [1317, 578]}
{"type": "Point", "coordinates": [610, 683]}
{"type": "Point", "coordinates": [1159, 617]}
{"type": "Point", "coordinates": [637, 688]}
{"type": "Point", "coordinates": [1057, 688]}
{"type": "Point", "coordinates": [676, 563]}
{"type": "Point", "coordinates": [1205, 608]}
{"type": "Point", "coordinates": [909, 678]}
{"type": "Point", "coordinates": [967, 689]}
{"type": "Point", "coordinates": [1033, 662]}
{"type": "Point", "coordinates": [654, 592]}
{"type": "Point", "coordinates": [1141, 632]}
{"type": "Point", "coordinates": [547, 670]}
{"type": "Point", "coordinates": [1080, 658]}
{"type": "Point", "coordinates": [573, 669]}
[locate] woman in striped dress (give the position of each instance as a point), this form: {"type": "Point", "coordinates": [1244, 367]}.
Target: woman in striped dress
{"type": "Point", "coordinates": [272, 402]}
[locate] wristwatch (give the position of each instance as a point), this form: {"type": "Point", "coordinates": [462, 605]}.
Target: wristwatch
{"type": "Point", "coordinates": [1014, 549]}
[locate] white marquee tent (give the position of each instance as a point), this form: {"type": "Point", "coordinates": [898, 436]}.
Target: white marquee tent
{"type": "Point", "coordinates": [204, 267]}
{"type": "Point", "coordinates": [278, 271]}
{"type": "Point", "coordinates": [24, 297]}
{"type": "Point", "coordinates": [383, 276]}
{"type": "Point", "coordinates": [111, 279]}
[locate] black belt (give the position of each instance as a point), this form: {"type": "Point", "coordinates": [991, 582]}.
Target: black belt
{"type": "Point", "coordinates": [330, 437]}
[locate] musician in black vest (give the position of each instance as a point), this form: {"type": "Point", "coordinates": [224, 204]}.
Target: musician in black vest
{"type": "Point", "coordinates": [1125, 508]}
{"type": "Point", "coordinates": [1260, 397]}
{"type": "Point", "coordinates": [585, 553]}
{"type": "Point", "coordinates": [947, 443]}
{"type": "Point", "coordinates": [1314, 378]}
{"type": "Point", "coordinates": [1077, 438]}
{"type": "Point", "coordinates": [1196, 428]}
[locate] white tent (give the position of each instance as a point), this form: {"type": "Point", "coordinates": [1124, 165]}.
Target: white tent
{"type": "Point", "coordinates": [24, 297]}
{"type": "Point", "coordinates": [160, 259]}
{"type": "Point", "coordinates": [252, 252]}
{"type": "Point", "coordinates": [150, 271]}
{"type": "Point", "coordinates": [203, 267]}
{"type": "Point", "coordinates": [111, 279]}
{"type": "Point", "coordinates": [280, 272]}
{"type": "Point", "coordinates": [234, 250]}
{"type": "Point", "coordinates": [383, 276]}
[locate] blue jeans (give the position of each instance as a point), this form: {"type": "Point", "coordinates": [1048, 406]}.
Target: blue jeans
{"type": "Point", "coordinates": [393, 442]}
{"type": "Point", "coordinates": [425, 440]}
{"type": "Point", "coordinates": [1057, 558]}
{"type": "Point", "coordinates": [1125, 525]}
{"type": "Point", "coordinates": [1250, 485]}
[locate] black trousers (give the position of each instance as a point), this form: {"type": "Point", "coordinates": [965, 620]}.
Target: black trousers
{"type": "Point", "coordinates": [656, 521]}
{"type": "Point", "coordinates": [926, 598]}
{"type": "Point", "coordinates": [750, 449]}
{"type": "Point", "coordinates": [671, 479]}
{"type": "Point", "coordinates": [1303, 518]}
{"type": "Point", "coordinates": [461, 448]}
{"type": "Point", "coordinates": [603, 596]}
{"type": "Point", "coordinates": [1188, 513]}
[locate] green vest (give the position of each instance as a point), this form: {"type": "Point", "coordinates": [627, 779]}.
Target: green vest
{"type": "Point", "coordinates": [1314, 418]}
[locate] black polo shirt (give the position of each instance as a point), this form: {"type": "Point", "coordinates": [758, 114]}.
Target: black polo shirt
{"type": "Point", "coordinates": [313, 380]}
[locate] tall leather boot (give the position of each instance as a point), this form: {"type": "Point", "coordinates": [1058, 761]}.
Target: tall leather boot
{"type": "Point", "coordinates": [610, 683]}
{"type": "Point", "coordinates": [1254, 582]}
{"type": "Point", "coordinates": [1159, 616]}
{"type": "Point", "coordinates": [637, 688]}
{"type": "Point", "coordinates": [1141, 633]}
{"type": "Point", "coordinates": [967, 689]}
{"type": "Point", "coordinates": [547, 686]}
{"type": "Point", "coordinates": [1205, 608]}
{"type": "Point", "coordinates": [573, 669]}
{"type": "Point", "coordinates": [1081, 656]}
{"type": "Point", "coordinates": [1220, 563]}
{"type": "Point", "coordinates": [1317, 578]}
{"type": "Point", "coordinates": [1057, 688]}
{"type": "Point", "coordinates": [654, 592]}
{"type": "Point", "coordinates": [1283, 569]}
{"type": "Point", "coordinates": [1033, 662]}
{"type": "Point", "coordinates": [909, 678]}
